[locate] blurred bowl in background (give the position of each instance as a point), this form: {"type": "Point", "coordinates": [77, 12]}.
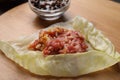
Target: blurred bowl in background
{"type": "Point", "coordinates": [49, 14]}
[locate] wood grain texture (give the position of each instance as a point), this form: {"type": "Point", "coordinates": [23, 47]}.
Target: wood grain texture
{"type": "Point", "coordinates": [21, 21]}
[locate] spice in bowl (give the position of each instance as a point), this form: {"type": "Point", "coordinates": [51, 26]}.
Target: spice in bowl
{"type": "Point", "coordinates": [49, 9]}
{"type": "Point", "coordinates": [49, 4]}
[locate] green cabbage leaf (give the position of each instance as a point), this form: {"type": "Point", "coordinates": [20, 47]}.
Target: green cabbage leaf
{"type": "Point", "coordinates": [100, 55]}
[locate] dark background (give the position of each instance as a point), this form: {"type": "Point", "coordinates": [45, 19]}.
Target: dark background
{"type": "Point", "coordinates": [8, 4]}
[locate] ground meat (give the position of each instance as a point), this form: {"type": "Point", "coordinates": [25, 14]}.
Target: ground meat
{"type": "Point", "coordinates": [60, 41]}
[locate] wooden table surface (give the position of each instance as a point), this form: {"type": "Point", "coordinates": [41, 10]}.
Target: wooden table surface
{"type": "Point", "coordinates": [20, 21]}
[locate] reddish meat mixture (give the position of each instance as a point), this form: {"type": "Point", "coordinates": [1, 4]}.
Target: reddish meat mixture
{"type": "Point", "coordinates": [59, 41]}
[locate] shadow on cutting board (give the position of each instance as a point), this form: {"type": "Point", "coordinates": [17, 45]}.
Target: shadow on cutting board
{"type": "Point", "coordinates": [40, 23]}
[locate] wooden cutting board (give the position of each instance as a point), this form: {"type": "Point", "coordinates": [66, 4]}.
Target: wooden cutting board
{"type": "Point", "coordinates": [20, 21]}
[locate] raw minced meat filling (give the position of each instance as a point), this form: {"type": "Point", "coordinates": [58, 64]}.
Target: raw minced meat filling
{"type": "Point", "coordinates": [59, 41]}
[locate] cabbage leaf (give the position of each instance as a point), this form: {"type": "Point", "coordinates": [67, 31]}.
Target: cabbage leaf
{"type": "Point", "coordinates": [101, 55]}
